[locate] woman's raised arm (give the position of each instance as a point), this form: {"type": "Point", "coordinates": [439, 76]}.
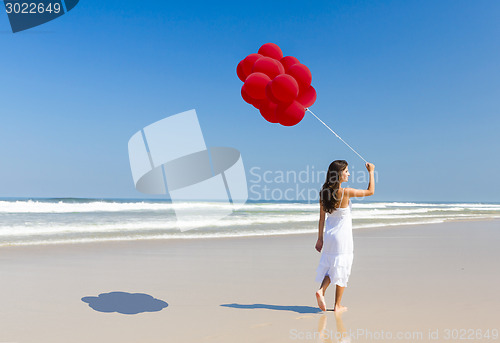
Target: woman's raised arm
{"type": "Point", "coordinates": [359, 193]}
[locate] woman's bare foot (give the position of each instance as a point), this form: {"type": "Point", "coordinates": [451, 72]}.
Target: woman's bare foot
{"type": "Point", "coordinates": [321, 300]}
{"type": "Point", "coordinates": [340, 308]}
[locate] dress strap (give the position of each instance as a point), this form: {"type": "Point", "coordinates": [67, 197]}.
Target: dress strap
{"type": "Point", "coordinates": [343, 189]}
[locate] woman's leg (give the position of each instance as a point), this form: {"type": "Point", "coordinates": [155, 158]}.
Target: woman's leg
{"type": "Point", "coordinates": [325, 284]}
{"type": "Point", "coordinates": [340, 290]}
{"type": "Point", "coordinates": [338, 297]}
{"type": "Point", "coordinates": [320, 293]}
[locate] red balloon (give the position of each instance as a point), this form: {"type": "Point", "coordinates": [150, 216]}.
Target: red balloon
{"type": "Point", "coordinates": [301, 74]}
{"type": "Point", "coordinates": [248, 99]}
{"type": "Point", "coordinates": [258, 103]}
{"type": "Point", "coordinates": [269, 93]}
{"type": "Point", "coordinates": [268, 66]}
{"type": "Point", "coordinates": [285, 88]}
{"type": "Point", "coordinates": [290, 114]}
{"type": "Point", "coordinates": [282, 69]}
{"type": "Point", "coordinates": [248, 63]}
{"type": "Point", "coordinates": [307, 97]}
{"type": "Point", "coordinates": [255, 85]}
{"type": "Point", "coordinates": [271, 50]}
{"type": "Point", "coordinates": [268, 111]}
{"type": "Point", "coordinates": [289, 61]}
{"type": "Point", "coordinates": [239, 70]}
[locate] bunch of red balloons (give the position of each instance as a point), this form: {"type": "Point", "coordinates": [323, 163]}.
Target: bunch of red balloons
{"type": "Point", "coordinates": [280, 87]}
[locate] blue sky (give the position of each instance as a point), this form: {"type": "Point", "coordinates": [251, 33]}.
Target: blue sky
{"type": "Point", "coordinates": [413, 86]}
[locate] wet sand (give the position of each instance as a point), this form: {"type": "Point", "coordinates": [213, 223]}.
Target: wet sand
{"type": "Point", "coordinates": [410, 282]}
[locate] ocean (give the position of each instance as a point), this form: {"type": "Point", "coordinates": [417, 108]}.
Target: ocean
{"type": "Point", "coordinates": [66, 221]}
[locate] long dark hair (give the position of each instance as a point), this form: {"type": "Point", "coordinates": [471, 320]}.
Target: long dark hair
{"type": "Point", "coordinates": [328, 193]}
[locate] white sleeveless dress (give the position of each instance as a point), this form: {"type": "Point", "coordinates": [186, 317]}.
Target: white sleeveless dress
{"type": "Point", "coordinates": [338, 248]}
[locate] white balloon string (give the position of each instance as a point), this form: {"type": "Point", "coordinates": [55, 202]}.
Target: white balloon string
{"type": "Point", "coordinates": [336, 134]}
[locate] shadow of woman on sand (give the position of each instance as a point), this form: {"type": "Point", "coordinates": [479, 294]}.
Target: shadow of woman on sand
{"type": "Point", "coordinates": [298, 309]}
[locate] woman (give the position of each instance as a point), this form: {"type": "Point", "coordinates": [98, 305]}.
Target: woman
{"type": "Point", "coordinates": [336, 243]}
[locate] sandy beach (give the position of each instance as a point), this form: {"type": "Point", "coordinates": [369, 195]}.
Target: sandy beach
{"type": "Point", "coordinates": [415, 283]}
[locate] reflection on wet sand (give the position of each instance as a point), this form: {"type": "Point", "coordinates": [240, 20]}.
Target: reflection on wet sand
{"type": "Point", "coordinates": [340, 335]}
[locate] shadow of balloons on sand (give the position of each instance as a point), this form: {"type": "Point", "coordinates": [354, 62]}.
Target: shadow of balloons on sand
{"type": "Point", "coordinates": [125, 303]}
{"type": "Point", "coordinates": [298, 309]}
